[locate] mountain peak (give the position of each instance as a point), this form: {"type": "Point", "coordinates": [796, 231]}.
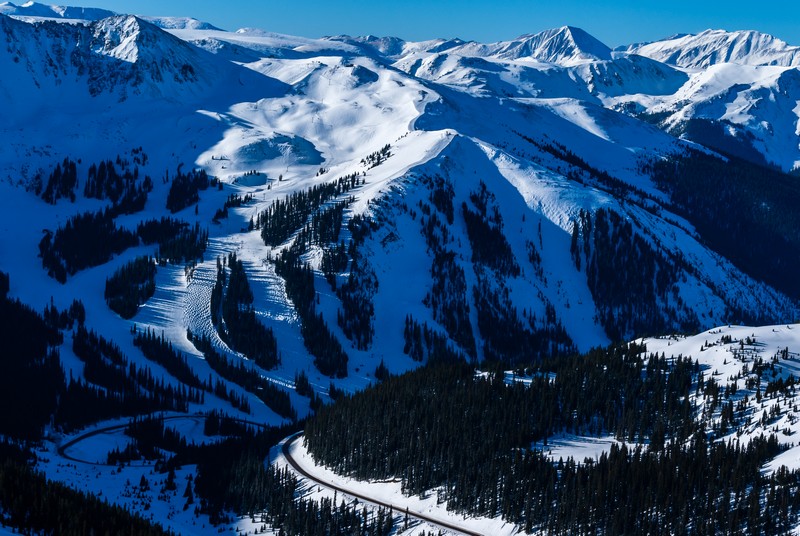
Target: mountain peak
{"type": "Point", "coordinates": [566, 45]}
{"type": "Point", "coordinates": [120, 36]}
{"type": "Point", "coordinates": [711, 47]}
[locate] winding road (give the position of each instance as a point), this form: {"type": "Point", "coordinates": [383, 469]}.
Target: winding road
{"type": "Point", "coordinates": [411, 514]}
{"type": "Point", "coordinates": [286, 450]}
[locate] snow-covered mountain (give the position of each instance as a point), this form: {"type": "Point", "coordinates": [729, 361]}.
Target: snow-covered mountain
{"type": "Point", "coordinates": [711, 47]}
{"type": "Point", "coordinates": [529, 126]}
{"type": "Point", "coordinates": [562, 46]}
{"type": "Point", "coordinates": [742, 86]}
{"type": "Point", "coordinates": [536, 196]}
{"type": "Point", "coordinates": [116, 57]}
{"type": "Point", "coordinates": [44, 11]}
{"type": "Point", "coordinates": [34, 11]}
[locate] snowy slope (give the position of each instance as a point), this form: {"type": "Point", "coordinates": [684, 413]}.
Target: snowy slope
{"type": "Point", "coordinates": [731, 356]}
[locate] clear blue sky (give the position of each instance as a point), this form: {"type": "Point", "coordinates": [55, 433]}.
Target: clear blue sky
{"type": "Point", "coordinates": [613, 22]}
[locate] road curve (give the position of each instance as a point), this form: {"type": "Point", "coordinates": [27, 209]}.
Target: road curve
{"type": "Point", "coordinates": [62, 449]}
{"type": "Point", "coordinates": [416, 515]}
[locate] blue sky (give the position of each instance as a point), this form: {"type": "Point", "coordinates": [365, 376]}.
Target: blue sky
{"type": "Point", "coordinates": [613, 22]}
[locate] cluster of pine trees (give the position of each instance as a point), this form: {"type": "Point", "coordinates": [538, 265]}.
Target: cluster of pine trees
{"type": "Point", "coordinates": [334, 261]}
{"type": "Point", "coordinates": [329, 356]}
{"type": "Point", "coordinates": [425, 344]}
{"type": "Point", "coordinates": [31, 377]}
{"type": "Point", "coordinates": [92, 238]}
{"type": "Point", "coordinates": [233, 201]}
{"type": "Point", "coordinates": [303, 214]}
{"type": "Point", "coordinates": [112, 386]}
{"type": "Point", "coordinates": [378, 157]}
{"type": "Point", "coordinates": [127, 194]}
{"type": "Point", "coordinates": [159, 350]}
{"type": "Point", "coordinates": [32, 382]}
{"type": "Point", "coordinates": [324, 225]}
{"type": "Point", "coordinates": [235, 319]}
{"type": "Point", "coordinates": [152, 436]}
{"type": "Point", "coordinates": [448, 297]}
{"type": "Point", "coordinates": [131, 286]}
{"type": "Point", "coordinates": [61, 182]}
{"type": "Point", "coordinates": [34, 505]}
{"type": "Point", "coordinates": [178, 242]}
{"type": "Point", "coordinates": [474, 448]}
{"type": "Point", "coordinates": [485, 232]}
{"type": "Point", "coordinates": [185, 187]}
{"type": "Point", "coordinates": [358, 312]}
{"type": "Point", "coordinates": [286, 216]}
{"type": "Point", "coordinates": [634, 287]}
{"type": "Point", "coordinates": [86, 240]}
{"type": "Point", "coordinates": [217, 423]}
{"type": "Point", "coordinates": [507, 336]}
{"type": "Point", "coordinates": [509, 339]}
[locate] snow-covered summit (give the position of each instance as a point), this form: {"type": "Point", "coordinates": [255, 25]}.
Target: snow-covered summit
{"type": "Point", "coordinates": [564, 46]}
{"type": "Point", "coordinates": [49, 64]}
{"type": "Point", "coordinates": [36, 11]}
{"type": "Point", "coordinates": [44, 11]}
{"type": "Point", "coordinates": [711, 47]}
{"type": "Point", "coordinates": [179, 23]}
{"type": "Point", "coordinates": [561, 46]}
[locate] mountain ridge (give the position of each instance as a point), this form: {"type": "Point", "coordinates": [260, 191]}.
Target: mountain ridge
{"type": "Point", "coordinates": [745, 47]}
